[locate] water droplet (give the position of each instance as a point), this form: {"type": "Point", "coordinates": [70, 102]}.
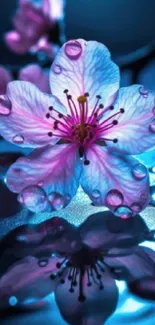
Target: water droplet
{"type": "Point", "coordinates": [136, 207]}
{"type": "Point", "coordinates": [124, 212]}
{"type": "Point", "coordinates": [41, 183]}
{"type": "Point", "coordinates": [57, 69]}
{"type": "Point", "coordinates": [43, 263]}
{"type": "Point", "coordinates": [73, 50]}
{"type": "Point", "coordinates": [34, 198]}
{"type": "Point", "coordinates": [95, 194]}
{"type": "Point", "coordinates": [13, 301]}
{"type": "Point", "coordinates": [114, 198]}
{"type": "Point", "coordinates": [152, 126]}
{"type": "Point", "coordinates": [57, 200]}
{"type": "Point", "coordinates": [144, 92]}
{"type": "Point", "coordinates": [18, 139]}
{"type": "Point", "coordinates": [5, 105]}
{"type": "Point", "coordinates": [139, 171]}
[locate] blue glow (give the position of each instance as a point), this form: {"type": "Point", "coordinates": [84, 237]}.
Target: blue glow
{"type": "Point", "coordinates": [29, 301]}
{"type": "Point", "coordinates": [121, 285]}
{"type": "Point", "coordinates": [13, 301]}
{"type": "Point", "coordinates": [5, 179]}
{"type": "Point", "coordinates": [148, 244]}
{"type": "Point", "coordinates": [131, 305]}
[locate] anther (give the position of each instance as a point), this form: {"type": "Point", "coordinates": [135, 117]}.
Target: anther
{"type": "Point", "coordinates": [89, 284]}
{"type": "Point", "coordinates": [48, 115]}
{"type": "Point", "coordinates": [101, 106]}
{"type": "Point", "coordinates": [115, 122]}
{"type": "Point", "coordinates": [58, 265]}
{"type": "Point", "coordinates": [50, 134]}
{"type": "Point", "coordinates": [71, 290]}
{"type": "Point", "coordinates": [82, 99]}
{"type": "Point", "coordinates": [98, 96]}
{"type": "Point", "coordinates": [50, 108]}
{"type": "Point", "coordinates": [52, 276]}
{"type": "Point", "coordinates": [111, 107]}
{"type": "Point", "coordinates": [101, 287]}
{"type": "Point", "coordinates": [86, 162]}
{"type": "Point", "coordinates": [62, 281]}
{"type": "Point", "coordinates": [122, 110]}
{"type": "Point", "coordinates": [81, 298]}
{"type": "Point", "coordinates": [115, 140]}
{"type": "Point", "coordinates": [60, 115]}
{"type": "Point", "coordinates": [86, 94]}
{"type": "Point", "coordinates": [66, 91]}
{"type": "Point", "coordinates": [69, 96]}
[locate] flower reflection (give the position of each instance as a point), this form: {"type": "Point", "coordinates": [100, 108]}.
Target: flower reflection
{"type": "Point", "coordinates": [84, 133]}
{"type": "Point", "coordinates": [79, 265]}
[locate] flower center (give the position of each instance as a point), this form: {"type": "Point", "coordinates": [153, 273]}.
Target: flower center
{"type": "Point", "coordinates": [82, 127]}
{"type": "Point", "coordinates": [84, 266]}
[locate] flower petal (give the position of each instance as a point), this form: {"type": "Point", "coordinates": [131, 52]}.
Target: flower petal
{"type": "Point", "coordinates": [134, 266]}
{"type": "Point", "coordinates": [119, 182]}
{"type": "Point", "coordinates": [97, 307]}
{"type": "Point", "coordinates": [5, 78]}
{"type": "Point", "coordinates": [15, 42]}
{"type": "Point", "coordinates": [28, 278]}
{"type": "Point", "coordinates": [35, 74]}
{"type": "Point", "coordinates": [23, 118]}
{"type": "Point", "coordinates": [103, 231]}
{"type": "Point", "coordinates": [82, 67]}
{"type": "Point", "coordinates": [53, 169]}
{"type": "Point", "coordinates": [143, 288]}
{"type": "Point", "coordinates": [135, 130]}
{"type": "Point", "coordinates": [54, 235]}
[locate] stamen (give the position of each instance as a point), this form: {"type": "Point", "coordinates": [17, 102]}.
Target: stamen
{"type": "Point", "coordinates": [81, 297]}
{"type": "Point", "coordinates": [81, 152]}
{"type": "Point", "coordinates": [113, 140]}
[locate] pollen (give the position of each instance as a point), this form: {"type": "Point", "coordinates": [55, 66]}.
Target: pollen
{"type": "Point", "coordinates": [82, 99]}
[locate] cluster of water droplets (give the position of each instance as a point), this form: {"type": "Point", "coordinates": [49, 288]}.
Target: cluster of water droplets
{"type": "Point", "coordinates": [115, 199]}
{"type": "Point", "coordinates": [35, 199]}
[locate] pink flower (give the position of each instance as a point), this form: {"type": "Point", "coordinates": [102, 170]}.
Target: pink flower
{"type": "Point", "coordinates": [31, 23]}
{"type": "Point", "coordinates": [84, 133]}
{"type": "Point", "coordinates": [79, 264]}
{"type": "Point", "coordinates": [32, 72]}
{"type": "Point", "coordinates": [35, 74]}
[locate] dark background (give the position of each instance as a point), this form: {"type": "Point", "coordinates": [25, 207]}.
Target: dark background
{"type": "Point", "coordinates": [123, 25]}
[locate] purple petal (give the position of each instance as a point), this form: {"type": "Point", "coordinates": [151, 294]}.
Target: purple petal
{"type": "Point", "coordinates": [54, 235]}
{"type": "Point", "coordinates": [135, 130]}
{"type": "Point", "coordinates": [103, 231]}
{"type": "Point", "coordinates": [35, 74]}
{"type": "Point", "coordinates": [95, 310]}
{"type": "Point", "coordinates": [15, 42]}
{"type": "Point", "coordinates": [28, 278]}
{"type": "Point", "coordinates": [5, 78]}
{"type": "Point", "coordinates": [119, 182]}
{"type": "Point", "coordinates": [134, 266]}
{"type": "Point", "coordinates": [25, 123]}
{"type": "Point", "coordinates": [143, 288]}
{"type": "Point", "coordinates": [54, 169]}
{"type": "Point", "coordinates": [84, 67]}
